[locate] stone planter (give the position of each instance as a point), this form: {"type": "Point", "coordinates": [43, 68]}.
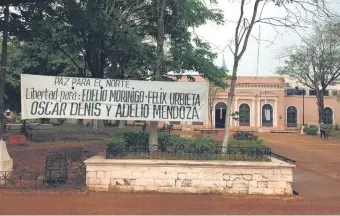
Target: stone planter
{"type": "Point", "coordinates": [184, 176]}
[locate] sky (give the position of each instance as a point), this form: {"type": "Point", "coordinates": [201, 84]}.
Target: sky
{"type": "Point", "coordinates": [220, 36]}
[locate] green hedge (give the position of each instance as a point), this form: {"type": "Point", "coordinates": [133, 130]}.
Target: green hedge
{"type": "Point", "coordinates": [242, 135]}
{"type": "Point", "coordinates": [312, 130]}
{"type": "Point", "coordinates": [135, 146]}
{"type": "Point", "coordinates": [167, 142]}
{"type": "Point", "coordinates": [246, 143]}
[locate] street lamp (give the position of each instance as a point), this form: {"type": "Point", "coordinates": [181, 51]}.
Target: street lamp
{"type": "Point", "coordinates": [303, 107]}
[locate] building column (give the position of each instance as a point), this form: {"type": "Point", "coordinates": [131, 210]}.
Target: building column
{"type": "Point", "coordinates": [275, 112]}
{"type": "Point", "coordinates": [259, 112]}
{"type": "Point", "coordinates": [252, 114]}
{"type": "Point", "coordinates": [213, 116]}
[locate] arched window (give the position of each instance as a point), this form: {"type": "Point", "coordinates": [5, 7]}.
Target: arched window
{"type": "Point", "coordinates": [291, 116]}
{"type": "Point", "coordinates": [221, 105]}
{"type": "Point", "coordinates": [328, 116]}
{"type": "Point", "coordinates": [244, 115]}
{"type": "Point", "coordinates": [220, 114]}
{"type": "Point", "coordinates": [267, 115]}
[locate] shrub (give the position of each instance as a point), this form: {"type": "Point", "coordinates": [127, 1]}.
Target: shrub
{"type": "Point", "coordinates": [115, 145]}
{"type": "Point", "coordinates": [128, 145]}
{"type": "Point", "coordinates": [312, 130]}
{"type": "Point", "coordinates": [329, 132]}
{"type": "Point", "coordinates": [118, 141]}
{"type": "Point", "coordinates": [61, 120]}
{"type": "Point", "coordinates": [244, 136]}
{"type": "Point", "coordinates": [337, 127]}
{"type": "Point", "coordinates": [173, 142]}
{"type": "Point", "coordinates": [16, 118]}
{"type": "Point", "coordinates": [136, 140]}
{"type": "Point", "coordinates": [246, 143]}
{"type": "Point", "coordinates": [199, 147]}
{"type": "Point", "coordinates": [44, 121]}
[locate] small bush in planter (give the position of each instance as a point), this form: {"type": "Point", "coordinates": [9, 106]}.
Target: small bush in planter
{"type": "Point", "coordinates": [337, 127]}
{"type": "Point", "coordinates": [115, 146]}
{"type": "Point", "coordinates": [136, 140]}
{"type": "Point", "coordinates": [61, 120]}
{"type": "Point", "coordinates": [16, 118]}
{"type": "Point", "coordinates": [246, 143]}
{"type": "Point", "coordinates": [173, 143]}
{"type": "Point", "coordinates": [312, 130]}
{"type": "Point", "coordinates": [244, 136]}
{"type": "Point", "coordinates": [44, 121]}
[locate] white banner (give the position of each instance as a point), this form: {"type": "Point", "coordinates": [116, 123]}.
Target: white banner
{"type": "Point", "coordinates": [89, 98]}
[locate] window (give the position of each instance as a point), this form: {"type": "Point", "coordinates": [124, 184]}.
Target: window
{"type": "Point", "coordinates": [197, 123]}
{"type": "Point", "coordinates": [335, 92]}
{"type": "Point", "coordinates": [175, 122]}
{"type": "Point", "coordinates": [220, 114]}
{"type": "Point", "coordinates": [292, 91]}
{"type": "Point", "coordinates": [326, 93]}
{"type": "Point", "coordinates": [244, 115]}
{"type": "Point", "coordinates": [328, 116]}
{"type": "Point", "coordinates": [291, 116]}
{"type": "Point", "coordinates": [267, 115]}
{"type": "Point", "coordinates": [312, 92]}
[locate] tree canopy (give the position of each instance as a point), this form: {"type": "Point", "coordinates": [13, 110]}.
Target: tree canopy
{"type": "Point", "coordinates": [109, 39]}
{"type": "Point", "coordinates": [316, 62]}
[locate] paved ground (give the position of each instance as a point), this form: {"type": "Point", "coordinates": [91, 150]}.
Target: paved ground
{"type": "Point", "coordinates": [317, 173]}
{"type": "Point", "coordinates": [316, 179]}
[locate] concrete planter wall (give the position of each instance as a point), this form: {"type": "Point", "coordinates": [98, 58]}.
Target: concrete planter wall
{"type": "Point", "coordinates": [174, 176]}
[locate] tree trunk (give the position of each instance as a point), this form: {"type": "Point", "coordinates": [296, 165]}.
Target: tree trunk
{"type": "Point", "coordinates": [122, 124]}
{"type": "Point", "coordinates": [229, 106]}
{"type": "Point", "coordinates": [320, 103]}
{"type": "Point", "coordinates": [153, 134]}
{"type": "Point", "coordinates": [153, 129]}
{"type": "Point", "coordinates": [96, 60]}
{"type": "Point", "coordinates": [3, 66]}
{"type": "Point", "coordinates": [211, 124]}
{"type": "Point", "coordinates": [98, 126]}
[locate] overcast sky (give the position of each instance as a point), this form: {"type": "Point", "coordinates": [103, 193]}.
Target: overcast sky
{"type": "Point", "coordinates": [219, 36]}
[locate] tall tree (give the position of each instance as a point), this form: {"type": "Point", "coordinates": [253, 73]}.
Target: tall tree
{"type": "Point", "coordinates": [10, 23]}
{"type": "Point", "coordinates": [316, 62]}
{"type": "Point", "coordinates": [96, 30]}
{"type": "Point", "coordinates": [126, 39]}
{"type": "Point", "coordinates": [32, 58]}
{"type": "Point", "coordinates": [296, 14]}
{"type": "Point", "coordinates": [3, 65]}
{"type": "Point", "coordinates": [168, 22]}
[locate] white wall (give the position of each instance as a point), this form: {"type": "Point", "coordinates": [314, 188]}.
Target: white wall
{"type": "Point", "coordinates": [174, 176]}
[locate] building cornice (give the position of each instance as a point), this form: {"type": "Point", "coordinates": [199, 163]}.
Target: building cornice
{"type": "Point", "coordinates": [259, 85]}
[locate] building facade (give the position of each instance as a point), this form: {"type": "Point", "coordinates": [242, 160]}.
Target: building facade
{"type": "Point", "coordinates": [267, 104]}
